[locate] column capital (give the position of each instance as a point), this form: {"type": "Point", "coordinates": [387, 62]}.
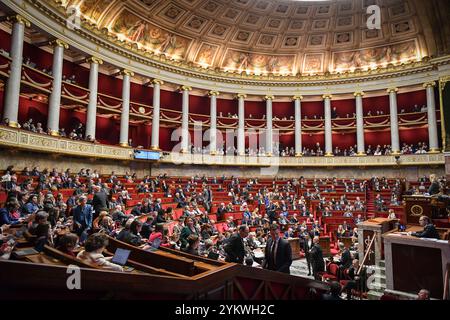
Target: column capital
{"type": "Point", "coordinates": [268, 97]}
{"type": "Point", "coordinates": [59, 43]}
{"type": "Point", "coordinates": [429, 84]}
{"type": "Point", "coordinates": [213, 93]}
{"type": "Point", "coordinates": [299, 97]}
{"type": "Point", "coordinates": [359, 94]}
{"type": "Point", "coordinates": [241, 96]}
{"type": "Point", "coordinates": [327, 96]}
{"type": "Point", "coordinates": [126, 72]}
{"type": "Point", "coordinates": [157, 81]}
{"type": "Point", "coordinates": [19, 19]}
{"type": "Point", "coordinates": [94, 60]}
{"type": "Point", "coordinates": [390, 90]}
{"type": "Point", "coordinates": [185, 88]}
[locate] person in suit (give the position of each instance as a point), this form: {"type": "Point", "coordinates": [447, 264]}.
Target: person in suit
{"type": "Point", "coordinates": [221, 211]}
{"type": "Point", "coordinates": [100, 201]}
{"type": "Point", "coordinates": [278, 252]}
{"type": "Point", "coordinates": [306, 244]}
{"type": "Point", "coordinates": [235, 249]}
{"type": "Point", "coordinates": [82, 218]}
{"type": "Point", "coordinates": [346, 257]}
{"type": "Point", "coordinates": [334, 293]}
{"type": "Point", "coordinates": [186, 232]}
{"type": "Point", "coordinates": [316, 257]}
{"type": "Point", "coordinates": [429, 230]}
{"type": "Point", "coordinates": [434, 187]}
{"type": "Point", "coordinates": [207, 198]}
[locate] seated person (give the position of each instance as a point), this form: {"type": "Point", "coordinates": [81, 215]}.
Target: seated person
{"type": "Point", "coordinates": [67, 244]}
{"type": "Point", "coordinates": [41, 229]}
{"type": "Point", "coordinates": [429, 230]}
{"type": "Point", "coordinates": [131, 235]}
{"type": "Point", "coordinates": [92, 253]}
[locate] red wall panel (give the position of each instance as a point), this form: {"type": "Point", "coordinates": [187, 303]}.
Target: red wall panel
{"type": "Point", "coordinates": [309, 140]}
{"type": "Point", "coordinates": [414, 135]}
{"type": "Point", "coordinates": [408, 100]}
{"type": "Point", "coordinates": [376, 103]}
{"type": "Point", "coordinates": [227, 105]}
{"type": "Point", "coordinates": [199, 105]}
{"type": "Point", "coordinates": [312, 108]}
{"type": "Point", "coordinates": [283, 109]}
{"type": "Point", "coordinates": [107, 130]}
{"type": "Point", "coordinates": [374, 138]}
{"type": "Point", "coordinates": [81, 73]}
{"type": "Point", "coordinates": [256, 108]}
{"type": "Point", "coordinates": [38, 111]}
{"type": "Point", "coordinates": [344, 140]}
{"type": "Point", "coordinates": [5, 40]}
{"type": "Point", "coordinates": [171, 100]}
{"type": "Point", "coordinates": [344, 107]}
{"type": "Point", "coordinates": [110, 85]}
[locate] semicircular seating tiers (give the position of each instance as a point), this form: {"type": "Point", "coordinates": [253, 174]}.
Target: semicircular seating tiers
{"type": "Point", "coordinates": [111, 79]}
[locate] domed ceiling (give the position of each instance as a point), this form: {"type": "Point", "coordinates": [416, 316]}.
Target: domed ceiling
{"type": "Point", "coordinates": [265, 36]}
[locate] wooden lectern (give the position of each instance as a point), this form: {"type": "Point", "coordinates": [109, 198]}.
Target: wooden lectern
{"type": "Point", "coordinates": [366, 231]}
{"type": "Point", "coordinates": [430, 206]}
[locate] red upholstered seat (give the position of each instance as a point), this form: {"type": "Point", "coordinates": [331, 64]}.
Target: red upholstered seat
{"type": "Point", "coordinates": [332, 273]}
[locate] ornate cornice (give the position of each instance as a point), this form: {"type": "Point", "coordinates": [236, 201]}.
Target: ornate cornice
{"type": "Point", "coordinates": [104, 39]}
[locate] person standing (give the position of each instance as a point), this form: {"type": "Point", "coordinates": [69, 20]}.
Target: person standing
{"type": "Point", "coordinates": [316, 257]}
{"type": "Point", "coordinates": [278, 252]}
{"type": "Point", "coordinates": [235, 249]}
{"type": "Point", "coordinates": [82, 218]}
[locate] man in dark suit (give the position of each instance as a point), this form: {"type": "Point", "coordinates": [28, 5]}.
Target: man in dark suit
{"type": "Point", "coordinates": [221, 212]}
{"type": "Point", "coordinates": [316, 257]}
{"type": "Point", "coordinates": [434, 187]}
{"type": "Point", "coordinates": [429, 230]}
{"type": "Point", "coordinates": [346, 257]}
{"type": "Point", "coordinates": [306, 244]}
{"type": "Point", "coordinates": [100, 201]}
{"type": "Point", "coordinates": [278, 253]}
{"type": "Point", "coordinates": [207, 198]}
{"type": "Point", "coordinates": [82, 218]}
{"type": "Point", "coordinates": [235, 249]}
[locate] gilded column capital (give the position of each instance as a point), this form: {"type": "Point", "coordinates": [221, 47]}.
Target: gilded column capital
{"type": "Point", "coordinates": [213, 93]}
{"type": "Point", "coordinates": [59, 43]}
{"type": "Point", "coordinates": [327, 96]}
{"type": "Point", "coordinates": [299, 97]}
{"type": "Point", "coordinates": [359, 94]}
{"type": "Point", "coordinates": [19, 19]}
{"type": "Point", "coordinates": [241, 96]}
{"type": "Point", "coordinates": [94, 60]}
{"type": "Point", "coordinates": [185, 88]}
{"type": "Point", "coordinates": [126, 72]}
{"type": "Point", "coordinates": [157, 81]}
{"type": "Point", "coordinates": [429, 84]}
{"type": "Point", "coordinates": [390, 90]}
{"type": "Point", "coordinates": [268, 97]}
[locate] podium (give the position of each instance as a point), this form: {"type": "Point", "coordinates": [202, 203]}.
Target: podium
{"type": "Point", "coordinates": [366, 231]}
{"type": "Point", "coordinates": [419, 205]}
{"type": "Point", "coordinates": [413, 263]}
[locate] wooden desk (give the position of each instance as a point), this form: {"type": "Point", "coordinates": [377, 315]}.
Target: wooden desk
{"type": "Point", "coordinates": [366, 230]}
{"type": "Point", "coordinates": [419, 205]}
{"type": "Point", "coordinates": [413, 263]}
{"type": "Point", "coordinates": [295, 246]}
{"type": "Point", "coordinates": [324, 243]}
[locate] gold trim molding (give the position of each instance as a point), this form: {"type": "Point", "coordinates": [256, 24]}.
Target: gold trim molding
{"type": "Point", "coordinates": [59, 43]}
{"type": "Point", "coordinates": [19, 19]}
{"type": "Point", "coordinates": [94, 60]}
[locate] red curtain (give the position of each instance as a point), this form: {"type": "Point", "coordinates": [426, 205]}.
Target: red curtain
{"type": "Point", "coordinates": [373, 104]}
{"type": "Point", "coordinates": [344, 107]}
{"type": "Point", "coordinates": [38, 111]}
{"type": "Point", "coordinates": [374, 138]}
{"type": "Point", "coordinates": [141, 94]}
{"type": "Point", "coordinates": [414, 135]}
{"type": "Point", "coordinates": [309, 140]}
{"type": "Point", "coordinates": [283, 109]}
{"type": "Point", "coordinates": [227, 105]}
{"type": "Point", "coordinates": [312, 108]}
{"type": "Point", "coordinates": [110, 86]}
{"type": "Point", "coordinates": [199, 104]}
{"type": "Point", "coordinates": [171, 100]}
{"type": "Point", "coordinates": [408, 100]}
{"type": "Point", "coordinates": [344, 140]}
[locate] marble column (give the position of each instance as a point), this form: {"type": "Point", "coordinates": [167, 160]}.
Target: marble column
{"type": "Point", "coordinates": [185, 120]}
{"type": "Point", "coordinates": [213, 120]}
{"type": "Point", "coordinates": [125, 116]}
{"type": "Point", "coordinates": [432, 123]}
{"type": "Point", "coordinates": [54, 105]}
{"type": "Point", "coordinates": [361, 149]}
{"type": "Point", "coordinates": [395, 140]}
{"type": "Point", "coordinates": [91, 117]}
{"type": "Point", "coordinates": [269, 132]}
{"type": "Point", "coordinates": [328, 132]}
{"type": "Point", "coordinates": [298, 125]}
{"type": "Point", "coordinates": [12, 94]}
{"type": "Point", "coordinates": [241, 126]}
{"type": "Point", "coordinates": [156, 113]}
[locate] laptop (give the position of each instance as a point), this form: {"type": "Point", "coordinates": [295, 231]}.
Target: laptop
{"type": "Point", "coordinates": [155, 244]}
{"type": "Point", "coordinates": [121, 258]}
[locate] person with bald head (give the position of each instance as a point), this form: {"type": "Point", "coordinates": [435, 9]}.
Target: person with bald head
{"type": "Point", "coordinates": [100, 200]}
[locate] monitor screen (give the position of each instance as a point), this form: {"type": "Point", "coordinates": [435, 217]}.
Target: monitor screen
{"type": "Point", "coordinates": [146, 155]}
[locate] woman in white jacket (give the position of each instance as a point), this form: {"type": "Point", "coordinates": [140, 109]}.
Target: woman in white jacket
{"type": "Point", "coordinates": [92, 253]}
